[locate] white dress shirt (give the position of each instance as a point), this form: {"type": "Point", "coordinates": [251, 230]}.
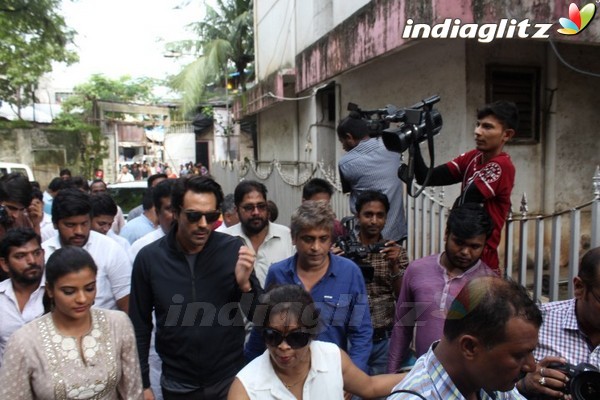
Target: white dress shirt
{"type": "Point", "coordinates": [113, 280]}
{"type": "Point", "coordinates": [144, 241]}
{"type": "Point", "coordinates": [277, 246]}
{"type": "Point", "coordinates": [11, 317]}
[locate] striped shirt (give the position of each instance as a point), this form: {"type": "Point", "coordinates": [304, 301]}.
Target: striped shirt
{"type": "Point", "coordinates": [560, 335]}
{"type": "Point", "coordinates": [370, 166]}
{"type": "Point", "coordinates": [429, 378]}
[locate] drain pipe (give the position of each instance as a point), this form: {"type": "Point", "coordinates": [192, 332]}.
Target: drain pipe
{"type": "Point", "coordinates": [550, 137]}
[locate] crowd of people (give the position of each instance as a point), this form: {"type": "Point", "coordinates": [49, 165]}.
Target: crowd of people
{"type": "Point", "coordinates": [201, 295]}
{"type": "Point", "coordinates": [142, 171]}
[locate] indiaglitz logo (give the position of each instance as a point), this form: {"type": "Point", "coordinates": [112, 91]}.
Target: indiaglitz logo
{"type": "Point", "coordinates": [578, 19]}
{"type": "Point", "coordinates": [504, 29]}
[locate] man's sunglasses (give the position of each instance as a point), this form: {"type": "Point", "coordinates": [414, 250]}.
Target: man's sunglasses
{"type": "Point", "coordinates": [295, 340]}
{"type": "Point", "coordinates": [195, 216]}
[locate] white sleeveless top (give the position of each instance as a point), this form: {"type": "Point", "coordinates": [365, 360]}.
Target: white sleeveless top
{"type": "Point", "coordinates": [324, 380]}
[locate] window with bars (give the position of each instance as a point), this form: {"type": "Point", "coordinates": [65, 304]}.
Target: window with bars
{"type": "Point", "coordinates": [520, 85]}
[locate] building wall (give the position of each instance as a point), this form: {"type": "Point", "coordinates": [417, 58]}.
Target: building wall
{"type": "Point", "coordinates": [555, 173]}
{"type": "Point", "coordinates": [45, 151]}
{"type": "Point", "coordinates": [577, 126]}
{"type": "Point", "coordinates": [278, 133]}
{"type": "Point", "coordinates": [274, 36]}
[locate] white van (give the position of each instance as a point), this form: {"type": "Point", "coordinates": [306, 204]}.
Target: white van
{"type": "Point", "coordinates": [7, 168]}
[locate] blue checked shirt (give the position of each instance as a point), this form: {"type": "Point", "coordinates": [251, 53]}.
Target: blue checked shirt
{"type": "Point", "coordinates": [560, 335]}
{"type": "Point", "coordinates": [429, 378]}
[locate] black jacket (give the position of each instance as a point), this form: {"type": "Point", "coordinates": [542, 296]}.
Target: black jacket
{"type": "Point", "coordinates": [200, 330]}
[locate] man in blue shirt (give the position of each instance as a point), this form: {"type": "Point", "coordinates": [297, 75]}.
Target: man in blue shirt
{"type": "Point", "coordinates": [335, 283]}
{"type": "Point", "coordinates": [145, 223]}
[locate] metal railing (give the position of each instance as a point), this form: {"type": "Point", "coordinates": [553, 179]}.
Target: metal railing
{"type": "Point", "coordinates": [426, 222]}
{"type": "Point", "coordinates": [553, 282]}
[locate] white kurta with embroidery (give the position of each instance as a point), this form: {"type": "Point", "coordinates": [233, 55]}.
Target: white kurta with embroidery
{"type": "Point", "coordinates": [41, 363]}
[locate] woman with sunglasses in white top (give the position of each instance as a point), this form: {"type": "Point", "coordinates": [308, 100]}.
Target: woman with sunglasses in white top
{"type": "Point", "coordinates": [295, 366]}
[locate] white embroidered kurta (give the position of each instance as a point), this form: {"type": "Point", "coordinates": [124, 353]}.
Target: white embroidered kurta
{"type": "Point", "coordinates": [41, 363]}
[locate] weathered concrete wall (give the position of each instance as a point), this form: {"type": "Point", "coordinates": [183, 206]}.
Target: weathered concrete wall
{"type": "Point", "coordinates": [44, 150]}
{"type": "Point", "coordinates": [578, 126]}
{"type": "Point", "coordinates": [278, 133]}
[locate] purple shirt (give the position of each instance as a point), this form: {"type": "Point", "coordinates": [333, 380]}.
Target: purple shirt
{"type": "Point", "coordinates": [426, 294]}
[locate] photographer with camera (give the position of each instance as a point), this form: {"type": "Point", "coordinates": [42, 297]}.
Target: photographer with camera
{"type": "Point", "coordinates": [570, 337]}
{"type": "Point", "coordinates": [368, 165]}
{"type": "Point", "coordinates": [487, 173]}
{"type": "Point", "coordinates": [386, 260]}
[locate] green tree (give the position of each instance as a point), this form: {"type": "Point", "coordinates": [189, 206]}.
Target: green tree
{"type": "Point", "coordinates": [78, 112]}
{"type": "Point", "coordinates": [225, 37]}
{"type": "Point", "coordinates": [99, 87]}
{"type": "Point", "coordinates": [32, 36]}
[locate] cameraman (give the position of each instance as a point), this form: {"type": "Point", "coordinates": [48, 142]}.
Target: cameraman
{"type": "Point", "coordinates": [570, 332]}
{"type": "Point", "coordinates": [487, 173]}
{"type": "Point", "coordinates": [388, 263]}
{"type": "Point", "coordinates": [368, 165]}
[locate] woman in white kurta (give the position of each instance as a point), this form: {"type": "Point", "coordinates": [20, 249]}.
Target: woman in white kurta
{"type": "Point", "coordinates": [296, 367]}
{"type": "Point", "coordinates": [73, 352]}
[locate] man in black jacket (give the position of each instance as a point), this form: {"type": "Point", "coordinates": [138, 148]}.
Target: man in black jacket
{"type": "Point", "coordinates": [196, 281]}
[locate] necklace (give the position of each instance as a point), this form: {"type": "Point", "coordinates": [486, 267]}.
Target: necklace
{"type": "Point", "coordinates": [288, 386]}
{"type": "Point", "coordinates": [291, 385]}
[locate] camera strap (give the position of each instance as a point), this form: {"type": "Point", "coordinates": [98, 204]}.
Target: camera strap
{"type": "Point", "coordinates": [409, 170]}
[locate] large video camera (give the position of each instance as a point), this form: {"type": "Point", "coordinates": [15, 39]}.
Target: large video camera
{"type": "Point", "coordinates": [356, 251]}
{"type": "Point", "coordinates": [584, 380]}
{"type": "Point", "coordinates": [417, 124]}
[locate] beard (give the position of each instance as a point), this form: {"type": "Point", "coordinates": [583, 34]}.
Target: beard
{"type": "Point", "coordinates": [252, 226]}
{"type": "Point", "coordinates": [24, 278]}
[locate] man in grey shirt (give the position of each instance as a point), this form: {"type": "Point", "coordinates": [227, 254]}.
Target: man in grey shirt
{"type": "Point", "coordinates": [368, 165]}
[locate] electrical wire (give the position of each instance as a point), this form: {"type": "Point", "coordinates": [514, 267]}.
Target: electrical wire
{"type": "Point", "coordinates": [566, 64]}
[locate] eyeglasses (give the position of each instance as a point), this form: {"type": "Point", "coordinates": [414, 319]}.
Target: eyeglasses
{"type": "Point", "coordinates": [295, 340]}
{"type": "Point", "coordinates": [12, 208]}
{"type": "Point", "coordinates": [250, 207]}
{"type": "Point", "coordinates": [195, 216]}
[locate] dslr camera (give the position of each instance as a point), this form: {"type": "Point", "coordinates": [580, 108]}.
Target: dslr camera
{"type": "Point", "coordinates": [356, 251]}
{"type": "Point", "coordinates": [584, 380]}
{"type": "Point", "coordinates": [416, 123]}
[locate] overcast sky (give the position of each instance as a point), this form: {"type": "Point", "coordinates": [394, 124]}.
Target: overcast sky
{"type": "Point", "coordinates": [124, 37]}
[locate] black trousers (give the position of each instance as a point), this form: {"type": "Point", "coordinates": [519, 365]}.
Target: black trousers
{"type": "Point", "coordinates": [217, 391]}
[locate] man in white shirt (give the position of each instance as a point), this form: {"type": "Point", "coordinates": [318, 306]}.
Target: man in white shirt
{"type": "Point", "coordinates": [271, 242]}
{"type": "Point", "coordinates": [104, 210]}
{"type": "Point", "coordinates": [21, 296]}
{"type": "Point", "coordinates": [229, 214]}
{"type": "Point", "coordinates": [125, 175]}
{"type": "Point", "coordinates": [71, 217]}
